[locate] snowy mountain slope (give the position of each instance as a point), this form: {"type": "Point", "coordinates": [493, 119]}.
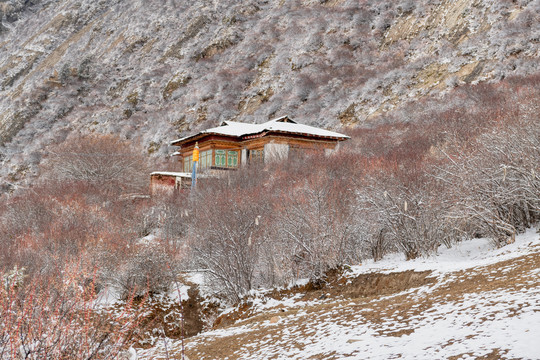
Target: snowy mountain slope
{"type": "Point", "coordinates": [158, 70]}
{"type": "Point", "coordinates": [475, 302]}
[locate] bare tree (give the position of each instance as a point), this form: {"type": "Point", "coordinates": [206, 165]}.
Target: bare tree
{"type": "Point", "coordinates": [317, 227]}
{"type": "Point", "coordinates": [497, 182]}
{"type": "Point", "coordinates": [228, 233]}
{"type": "Point", "coordinates": [104, 161]}
{"type": "Point", "coordinates": [410, 219]}
{"type": "Point", "coordinates": [141, 268]}
{"type": "Point", "coordinates": [59, 320]}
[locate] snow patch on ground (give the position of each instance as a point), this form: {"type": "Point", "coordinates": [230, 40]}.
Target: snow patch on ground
{"type": "Point", "coordinates": [107, 297]}
{"type": "Point", "coordinates": [475, 326]}
{"type": "Point", "coordinates": [499, 317]}
{"type": "Point", "coordinates": [461, 256]}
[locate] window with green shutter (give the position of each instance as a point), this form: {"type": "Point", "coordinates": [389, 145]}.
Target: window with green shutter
{"type": "Point", "coordinates": [232, 158]}
{"type": "Point", "coordinates": [220, 159]}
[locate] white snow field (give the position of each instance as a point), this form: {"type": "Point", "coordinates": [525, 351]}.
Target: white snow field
{"type": "Point", "coordinates": [476, 302]}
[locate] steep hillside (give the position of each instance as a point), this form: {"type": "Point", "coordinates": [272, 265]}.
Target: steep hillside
{"type": "Point", "coordinates": [154, 70]}
{"type": "Point", "coordinates": [469, 302]}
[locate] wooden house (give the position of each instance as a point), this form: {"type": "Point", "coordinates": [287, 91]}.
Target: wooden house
{"type": "Point", "coordinates": [233, 144]}
{"type": "Point", "coordinates": [168, 182]}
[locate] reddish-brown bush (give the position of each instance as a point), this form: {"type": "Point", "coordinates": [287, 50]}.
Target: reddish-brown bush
{"type": "Point", "coordinates": [61, 319]}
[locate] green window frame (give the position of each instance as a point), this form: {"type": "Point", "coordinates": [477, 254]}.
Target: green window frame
{"type": "Point", "coordinates": [220, 158]}
{"type": "Point", "coordinates": [232, 158]}
{"type": "Point", "coordinates": [226, 158]}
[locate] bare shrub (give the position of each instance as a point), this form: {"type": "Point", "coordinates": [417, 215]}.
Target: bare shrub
{"type": "Point", "coordinates": [69, 221]}
{"type": "Point", "coordinates": [85, 71]}
{"type": "Point", "coordinates": [146, 268]}
{"type": "Point", "coordinates": [498, 182]}
{"type": "Point", "coordinates": [171, 216]}
{"type": "Point", "coordinates": [316, 227]}
{"type": "Point", "coordinates": [103, 161]}
{"type": "Point", "coordinates": [410, 220]}
{"type": "Point", "coordinates": [44, 320]}
{"type": "Point", "coordinates": [228, 233]}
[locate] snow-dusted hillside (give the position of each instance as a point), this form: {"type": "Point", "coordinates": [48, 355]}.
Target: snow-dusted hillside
{"type": "Point", "coordinates": [157, 70]}
{"type": "Point", "coordinates": [467, 302]}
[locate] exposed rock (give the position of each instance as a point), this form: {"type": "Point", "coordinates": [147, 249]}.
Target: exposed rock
{"type": "Point", "coordinates": [326, 63]}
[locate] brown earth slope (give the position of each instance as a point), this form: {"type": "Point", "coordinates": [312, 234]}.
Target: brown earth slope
{"type": "Point", "coordinates": [379, 315]}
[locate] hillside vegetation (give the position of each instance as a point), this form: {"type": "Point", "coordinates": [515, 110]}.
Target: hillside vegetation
{"type": "Point", "coordinates": [155, 70]}
{"type": "Point", "coordinates": [440, 98]}
{"type": "Point", "coordinates": [400, 188]}
{"type": "Point", "coordinates": [466, 303]}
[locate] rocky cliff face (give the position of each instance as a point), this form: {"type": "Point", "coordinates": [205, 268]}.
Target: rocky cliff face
{"type": "Point", "coordinates": [153, 70]}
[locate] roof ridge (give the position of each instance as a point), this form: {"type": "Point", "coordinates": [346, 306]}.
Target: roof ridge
{"type": "Point", "coordinates": [240, 129]}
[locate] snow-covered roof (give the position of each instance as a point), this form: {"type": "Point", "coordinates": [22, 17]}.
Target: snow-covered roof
{"type": "Point", "coordinates": [282, 124]}
{"type": "Point", "coordinates": [179, 174]}
{"type": "Point", "coordinates": [171, 173]}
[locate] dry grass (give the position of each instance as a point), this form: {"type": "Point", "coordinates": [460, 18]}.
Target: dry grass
{"type": "Point", "coordinates": [390, 303]}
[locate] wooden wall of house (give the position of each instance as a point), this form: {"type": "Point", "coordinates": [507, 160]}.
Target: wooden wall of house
{"type": "Point", "coordinates": [275, 146]}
